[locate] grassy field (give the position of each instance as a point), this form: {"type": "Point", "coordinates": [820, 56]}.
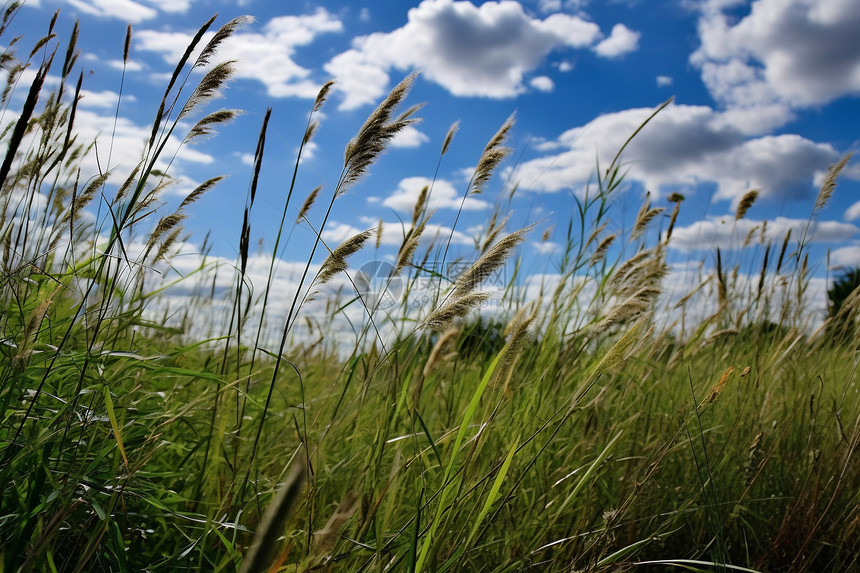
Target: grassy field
{"type": "Point", "coordinates": [580, 431]}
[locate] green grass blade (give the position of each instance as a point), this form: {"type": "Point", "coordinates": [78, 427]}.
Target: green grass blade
{"type": "Point", "coordinates": [494, 491]}
{"type": "Point", "coordinates": [113, 422]}
{"type": "Point", "coordinates": [448, 487]}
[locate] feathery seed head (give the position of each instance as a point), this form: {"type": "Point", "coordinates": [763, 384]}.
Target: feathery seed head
{"type": "Point", "coordinates": [494, 153]}
{"type": "Point", "coordinates": [322, 95]}
{"type": "Point", "coordinates": [420, 204]}
{"type": "Point", "coordinates": [440, 345]}
{"type": "Point", "coordinates": [199, 191]}
{"type": "Point", "coordinates": [456, 307]}
{"type": "Point", "coordinates": [829, 184]}
{"type": "Point", "coordinates": [336, 261]}
{"type": "Point", "coordinates": [306, 206]}
{"type": "Point", "coordinates": [379, 234]}
{"type": "Point", "coordinates": [222, 34]}
{"type": "Point", "coordinates": [491, 260]}
{"type": "Point", "coordinates": [410, 243]}
{"type": "Point", "coordinates": [375, 134]}
{"type": "Point", "coordinates": [746, 202]}
{"type": "Point", "coordinates": [209, 87]}
{"type": "Point", "coordinates": [452, 131]}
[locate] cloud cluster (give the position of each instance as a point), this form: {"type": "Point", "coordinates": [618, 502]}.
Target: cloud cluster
{"type": "Point", "coordinates": [484, 51]}
{"type": "Point", "coordinates": [783, 55]}
{"type": "Point", "coordinates": [684, 146]}
{"type": "Point", "coordinates": [726, 233]}
{"type": "Point", "coordinates": [393, 233]}
{"type": "Point", "coordinates": [443, 196]}
{"type": "Point", "coordinates": [265, 56]}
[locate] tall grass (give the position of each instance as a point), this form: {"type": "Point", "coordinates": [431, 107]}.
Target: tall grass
{"type": "Point", "coordinates": [591, 427]}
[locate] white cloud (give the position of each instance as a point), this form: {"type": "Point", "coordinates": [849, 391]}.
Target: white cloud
{"type": "Point", "coordinates": [393, 233]}
{"type": "Point", "coordinates": [123, 141]}
{"type": "Point", "coordinates": [621, 41]}
{"type": "Point", "coordinates": [409, 136]}
{"type": "Point", "coordinates": [129, 66]}
{"type": "Point", "coordinates": [266, 57]}
{"type": "Point", "coordinates": [123, 9]}
{"type": "Point", "coordinates": [549, 5]}
{"type": "Point", "coordinates": [853, 212]}
{"type": "Point", "coordinates": [726, 233]}
{"type": "Point", "coordinates": [783, 55]}
{"type": "Point", "coordinates": [663, 81]}
{"type": "Point", "coordinates": [565, 66]}
{"type": "Point", "coordinates": [480, 51]}
{"type": "Point", "coordinates": [542, 83]}
{"type": "Point", "coordinates": [846, 257]}
{"type": "Point", "coordinates": [104, 99]}
{"type": "Point", "coordinates": [172, 6]}
{"type": "Point", "coordinates": [443, 196]}
{"type": "Point", "coordinates": [683, 147]}
{"type": "Point", "coordinates": [546, 247]}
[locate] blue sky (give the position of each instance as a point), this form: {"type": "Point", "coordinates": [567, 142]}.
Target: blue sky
{"type": "Point", "coordinates": [766, 97]}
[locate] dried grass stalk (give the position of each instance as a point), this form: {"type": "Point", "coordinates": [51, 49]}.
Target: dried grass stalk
{"type": "Point", "coordinates": [438, 348]}
{"type": "Point", "coordinates": [222, 34]}
{"type": "Point", "coordinates": [420, 204]}
{"type": "Point", "coordinates": [199, 191]}
{"type": "Point", "coordinates": [494, 153]}
{"type": "Point", "coordinates": [209, 87]}
{"type": "Point", "coordinates": [336, 261]}
{"type": "Point", "coordinates": [322, 95]}
{"type": "Point", "coordinates": [829, 184]}
{"type": "Point", "coordinates": [746, 202]}
{"type": "Point", "coordinates": [454, 308]}
{"type": "Point", "coordinates": [274, 520]}
{"type": "Point", "coordinates": [632, 307]}
{"type": "Point", "coordinates": [600, 252]}
{"type": "Point", "coordinates": [410, 243]}
{"type": "Point", "coordinates": [375, 134]}
{"type": "Point", "coordinates": [643, 219]}
{"type": "Point", "coordinates": [452, 131]}
{"type": "Point", "coordinates": [306, 206]}
{"type": "Point", "coordinates": [205, 125]}
{"type": "Point", "coordinates": [491, 260]}
{"type": "Point", "coordinates": [379, 229]}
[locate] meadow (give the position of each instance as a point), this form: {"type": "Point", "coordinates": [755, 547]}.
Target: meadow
{"type": "Point", "coordinates": [586, 427]}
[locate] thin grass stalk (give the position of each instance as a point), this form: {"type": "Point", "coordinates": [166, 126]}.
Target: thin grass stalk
{"type": "Point", "coordinates": [377, 130]}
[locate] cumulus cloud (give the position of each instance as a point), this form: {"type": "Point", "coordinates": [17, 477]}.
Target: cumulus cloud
{"type": "Point", "coordinates": [265, 56]}
{"type": "Point", "coordinates": [663, 81]}
{"type": "Point", "coordinates": [123, 141]}
{"type": "Point", "coordinates": [542, 83]}
{"type": "Point", "coordinates": [621, 41]}
{"type": "Point", "coordinates": [443, 196]}
{"type": "Point", "coordinates": [853, 212]}
{"type": "Point", "coordinates": [393, 232]}
{"type": "Point", "coordinates": [123, 9]}
{"type": "Point", "coordinates": [845, 257]}
{"type": "Point", "coordinates": [483, 51]}
{"type": "Point", "coordinates": [106, 99]}
{"type": "Point", "coordinates": [172, 6]}
{"type": "Point", "coordinates": [546, 247]}
{"type": "Point", "coordinates": [783, 55]}
{"type": "Point", "coordinates": [684, 146]}
{"type": "Point", "coordinates": [726, 233]}
{"type": "Point", "coordinates": [409, 136]}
